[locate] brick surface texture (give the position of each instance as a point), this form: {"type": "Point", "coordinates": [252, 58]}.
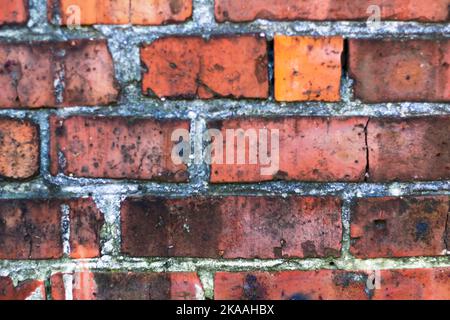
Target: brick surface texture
{"type": "Point", "coordinates": [224, 149]}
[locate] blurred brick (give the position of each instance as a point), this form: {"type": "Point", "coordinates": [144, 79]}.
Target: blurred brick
{"type": "Point", "coordinates": [138, 12]}
{"type": "Point", "coordinates": [232, 227]}
{"type": "Point", "coordinates": [402, 10]}
{"type": "Point", "coordinates": [27, 290]}
{"type": "Point", "coordinates": [308, 69]}
{"type": "Point", "coordinates": [19, 149]}
{"type": "Point", "coordinates": [13, 12]}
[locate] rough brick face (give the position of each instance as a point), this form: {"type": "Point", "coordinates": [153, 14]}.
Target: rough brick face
{"type": "Point", "coordinates": [19, 149]}
{"type": "Point", "coordinates": [95, 147]}
{"type": "Point", "coordinates": [388, 70]}
{"type": "Point", "coordinates": [31, 229]}
{"type": "Point", "coordinates": [405, 284]}
{"type": "Point", "coordinates": [189, 67]}
{"type": "Point", "coordinates": [232, 227]}
{"type": "Point", "coordinates": [13, 12]}
{"type": "Point", "coordinates": [126, 286]}
{"type": "Point", "coordinates": [249, 10]}
{"type": "Point", "coordinates": [310, 149]}
{"type": "Point", "coordinates": [137, 12]}
{"type": "Point", "coordinates": [86, 222]}
{"type": "Point", "coordinates": [399, 227]}
{"type": "Point", "coordinates": [49, 74]}
{"type": "Point", "coordinates": [409, 149]}
{"type": "Point", "coordinates": [30, 289]}
{"type": "Point", "coordinates": [308, 69]}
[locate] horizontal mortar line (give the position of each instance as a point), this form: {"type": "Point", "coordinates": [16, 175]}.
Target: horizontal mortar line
{"type": "Point", "coordinates": [349, 29]}
{"type": "Point", "coordinates": [224, 108]}
{"type": "Point", "coordinates": [190, 264]}
{"type": "Point", "coordinates": [85, 187]}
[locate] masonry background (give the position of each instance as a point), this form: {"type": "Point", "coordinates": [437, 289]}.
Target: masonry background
{"type": "Point", "coordinates": [124, 42]}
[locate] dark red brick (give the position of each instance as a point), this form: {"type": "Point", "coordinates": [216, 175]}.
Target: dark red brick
{"type": "Point", "coordinates": [399, 227]}
{"type": "Point", "coordinates": [88, 285]}
{"type": "Point", "coordinates": [231, 227]}
{"type": "Point", "coordinates": [393, 71]}
{"type": "Point", "coordinates": [409, 149]}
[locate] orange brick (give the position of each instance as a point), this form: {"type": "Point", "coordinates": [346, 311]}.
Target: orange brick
{"type": "Point", "coordinates": [19, 149]}
{"type": "Point", "coordinates": [140, 12]}
{"type": "Point", "coordinates": [13, 11]}
{"type": "Point", "coordinates": [23, 291]}
{"type": "Point", "coordinates": [308, 69]}
{"type": "Point", "coordinates": [157, 12]}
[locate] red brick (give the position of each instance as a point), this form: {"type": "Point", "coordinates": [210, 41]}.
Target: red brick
{"type": "Point", "coordinates": [34, 75]}
{"type": "Point", "coordinates": [31, 229]}
{"type": "Point", "coordinates": [189, 67]}
{"type": "Point", "coordinates": [399, 227]}
{"type": "Point", "coordinates": [409, 149]}
{"type": "Point", "coordinates": [13, 12]}
{"type": "Point", "coordinates": [231, 227]}
{"type": "Point", "coordinates": [86, 222]}
{"type": "Point", "coordinates": [249, 10]}
{"type": "Point", "coordinates": [88, 285]}
{"type": "Point", "coordinates": [137, 12]}
{"type": "Point", "coordinates": [412, 70]}
{"type": "Point", "coordinates": [27, 290]}
{"type": "Point", "coordinates": [311, 149]}
{"type": "Point", "coordinates": [414, 284]}
{"type": "Point", "coordinates": [19, 149]}
{"type": "Point", "coordinates": [116, 148]}
{"type": "Point", "coordinates": [308, 69]}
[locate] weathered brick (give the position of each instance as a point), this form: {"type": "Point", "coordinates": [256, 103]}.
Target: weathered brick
{"type": "Point", "coordinates": [31, 229]}
{"type": "Point", "coordinates": [86, 222]}
{"type": "Point", "coordinates": [52, 74]}
{"type": "Point", "coordinates": [116, 148]}
{"type": "Point", "coordinates": [87, 285]}
{"type": "Point", "coordinates": [416, 284]}
{"type": "Point", "coordinates": [389, 70]}
{"type": "Point", "coordinates": [231, 227]}
{"type": "Point", "coordinates": [19, 149]}
{"type": "Point", "coordinates": [409, 149]}
{"type": "Point", "coordinates": [406, 10]}
{"type": "Point", "coordinates": [310, 149]}
{"type": "Point", "coordinates": [13, 12]}
{"type": "Point", "coordinates": [308, 69]}
{"type": "Point", "coordinates": [138, 12]}
{"type": "Point", "coordinates": [399, 227]}
{"type": "Point", "coordinates": [27, 290]}
{"type": "Point", "coordinates": [189, 67]}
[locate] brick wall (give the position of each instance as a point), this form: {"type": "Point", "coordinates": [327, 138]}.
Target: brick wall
{"type": "Point", "coordinates": [353, 202]}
